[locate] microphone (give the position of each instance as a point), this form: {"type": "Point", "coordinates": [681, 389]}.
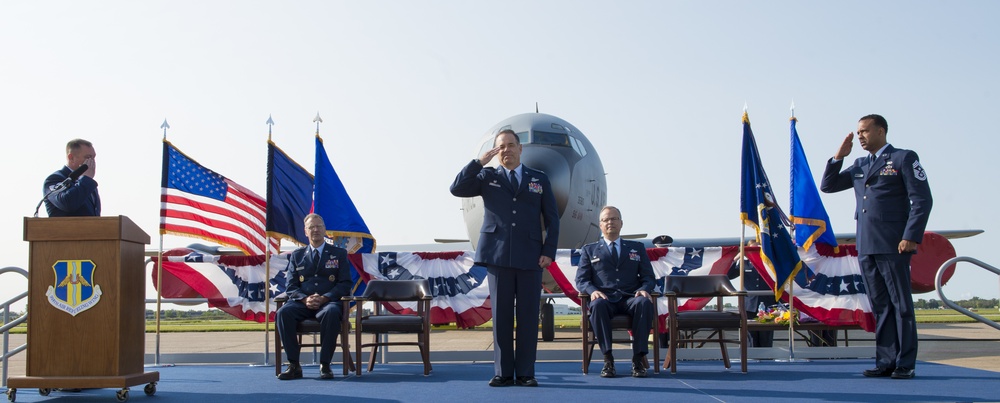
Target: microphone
{"type": "Point", "coordinates": [73, 176]}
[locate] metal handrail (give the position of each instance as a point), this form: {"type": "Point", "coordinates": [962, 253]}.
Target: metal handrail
{"type": "Point", "coordinates": [8, 324]}
{"type": "Point", "coordinates": [952, 305]}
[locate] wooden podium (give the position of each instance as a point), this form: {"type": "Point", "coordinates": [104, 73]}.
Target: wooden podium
{"type": "Point", "coordinates": [86, 305]}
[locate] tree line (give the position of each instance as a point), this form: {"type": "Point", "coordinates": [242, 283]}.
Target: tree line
{"type": "Point", "coordinates": [973, 303]}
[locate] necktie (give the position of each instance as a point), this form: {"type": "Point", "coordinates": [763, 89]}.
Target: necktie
{"type": "Point", "coordinates": [614, 254]}
{"type": "Point", "coordinates": [315, 257]}
{"type": "Point", "coordinates": [513, 180]}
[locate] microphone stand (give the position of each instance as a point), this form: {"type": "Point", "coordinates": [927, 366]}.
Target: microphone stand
{"type": "Point", "coordinates": [58, 188]}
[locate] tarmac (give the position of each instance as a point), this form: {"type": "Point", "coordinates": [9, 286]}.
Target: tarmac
{"type": "Point", "coordinates": [968, 345]}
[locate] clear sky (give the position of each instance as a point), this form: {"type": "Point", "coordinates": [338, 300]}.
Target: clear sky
{"type": "Point", "coordinates": [406, 88]}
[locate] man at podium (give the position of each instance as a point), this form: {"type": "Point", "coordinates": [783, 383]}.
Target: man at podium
{"type": "Point", "coordinates": [80, 197]}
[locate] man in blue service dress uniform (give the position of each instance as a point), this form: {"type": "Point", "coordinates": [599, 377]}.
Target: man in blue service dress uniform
{"type": "Point", "coordinates": [318, 276]}
{"type": "Point", "coordinates": [80, 198]}
{"type": "Point", "coordinates": [893, 203]}
{"type": "Point", "coordinates": [514, 249]}
{"type": "Point", "coordinates": [618, 276]}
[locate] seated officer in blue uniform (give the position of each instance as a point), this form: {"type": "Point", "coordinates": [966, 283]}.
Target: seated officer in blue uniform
{"type": "Point", "coordinates": [80, 198]}
{"type": "Point", "coordinates": [893, 205]}
{"type": "Point", "coordinates": [318, 276]}
{"type": "Point", "coordinates": [618, 276]}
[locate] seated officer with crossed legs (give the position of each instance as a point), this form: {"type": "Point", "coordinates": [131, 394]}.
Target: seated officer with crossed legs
{"type": "Point", "coordinates": [318, 276]}
{"type": "Point", "coordinates": [618, 276]}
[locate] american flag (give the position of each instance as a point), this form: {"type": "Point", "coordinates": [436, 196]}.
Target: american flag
{"type": "Point", "coordinates": [198, 202]}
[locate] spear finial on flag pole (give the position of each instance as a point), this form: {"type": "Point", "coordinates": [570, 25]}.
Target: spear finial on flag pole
{"type": "Point", "coordinates": [793, 108]}
{"type": "Point", "coordinates": [318, 120]}
{"type": "Point", "coordinates": [165, 126]}
{"type": "Point", "coordinates": [270, 122]}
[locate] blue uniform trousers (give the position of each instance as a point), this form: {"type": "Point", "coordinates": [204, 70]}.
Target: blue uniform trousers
{"type": "Point", "coordinates": [293, 312]}
{"type": "Point", "coordinates": [887, 281]}
{"type": "Point", "coordinates": [508, 285]}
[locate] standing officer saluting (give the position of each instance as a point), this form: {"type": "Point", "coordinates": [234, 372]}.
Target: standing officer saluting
{"type": "Point", "coordinates": [893, 204]}
{"type": "Point", "coordinates": [514, 249]}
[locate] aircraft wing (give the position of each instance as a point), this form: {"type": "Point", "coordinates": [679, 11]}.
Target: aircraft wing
{"type": "Point", "coordinates": [665, 240]}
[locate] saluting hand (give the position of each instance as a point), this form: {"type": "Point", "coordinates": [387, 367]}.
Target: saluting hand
{"type": "Point", "coordinates": [91, 167]}
{"type": "Point", "coordinates": [485, 159]}
{"type": "Point", "coordinates": [845, 147]}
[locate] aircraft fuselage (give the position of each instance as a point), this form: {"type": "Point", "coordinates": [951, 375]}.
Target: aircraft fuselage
{"type": "Point", "coordinates": [567, 157]}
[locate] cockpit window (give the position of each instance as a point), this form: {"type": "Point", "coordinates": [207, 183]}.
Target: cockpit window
{"type": "Point", "coordinates": [549, 138]}
{"type": "Point", "coordinates": [578, 146]}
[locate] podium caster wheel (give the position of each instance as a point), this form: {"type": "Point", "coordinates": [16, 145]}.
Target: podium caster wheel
{"type": "Point", "coordinates": [11, 394]}
{"type": "Point", "coordinates": [122, 395]}
{"type": "Point", "coordinates": [150, 389]}
{"type": "Point", "coordinates": [44, 391]}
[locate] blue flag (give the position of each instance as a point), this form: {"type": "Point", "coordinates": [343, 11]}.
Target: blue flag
{"type": "Point", "coordinates": [759, 210]}
{"type": "Point", "coordinates": [343, 222]}
{"type": "Point", "coordinates": [812, 224]}
{"type": "Point", "coordinates": [289, 196]}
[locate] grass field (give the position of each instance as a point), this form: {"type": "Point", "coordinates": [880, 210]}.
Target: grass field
{"type": "Point", "coordinates": [561, 322]}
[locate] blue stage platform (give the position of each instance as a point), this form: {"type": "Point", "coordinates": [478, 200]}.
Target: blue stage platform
{"type": "Point", "coordinates": [696, 381]}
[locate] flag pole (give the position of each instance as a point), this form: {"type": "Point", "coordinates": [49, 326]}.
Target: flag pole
{"type": "Point", "coordinates": [792, 315]}
{"type": "Point", "coordinates": [159, 275]}
{"type": "Point", "coordinates": [267, 278]}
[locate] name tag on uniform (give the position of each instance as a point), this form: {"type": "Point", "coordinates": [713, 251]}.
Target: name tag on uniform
{"type": "Point", "coordinates": [595, 259]}
{"type": "Point", "coordinates": [494, 184]}
{"type": "Point", "coordinates": [859, 175]}
{"type": "Point", "coordinates": [299, 268]}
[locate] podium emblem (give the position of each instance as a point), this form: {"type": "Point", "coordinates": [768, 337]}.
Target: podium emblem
{"type": "Point", "coordinates": [74, 290]}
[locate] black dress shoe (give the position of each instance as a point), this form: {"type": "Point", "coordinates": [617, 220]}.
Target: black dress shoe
{"type": "Point", "coordinates": [903, 373]}
{"type": "Point", "coordinates": [325, 372]}
{"type": "Point", "coordinates": [293, 371]}
{"type": "Point", "coordinates": [609, 370]}
{"type": "Point", "coordinates": [502, 381]}
{"type": "Point", "coordinates": [878, 372]}
{"type": "Point", "coordinates": [638, 370]}
{"type": "Point", "coordinates": [526, 381]}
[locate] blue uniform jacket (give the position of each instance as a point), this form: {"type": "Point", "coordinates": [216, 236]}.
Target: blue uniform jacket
{"type": "Point", "coordinates": [633, 272]}
{"type": "Point", "coordinates": [893, 198]}
{"type": "Point", "coordinates": [511, 235]}
{"type": "Point", "coordinates": [80, 199]}
{"type": "Point", "coordinates": [330, 278]}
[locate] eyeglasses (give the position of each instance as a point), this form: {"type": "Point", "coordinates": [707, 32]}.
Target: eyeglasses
{"type": "Point", "coordinates": [610, 219]}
